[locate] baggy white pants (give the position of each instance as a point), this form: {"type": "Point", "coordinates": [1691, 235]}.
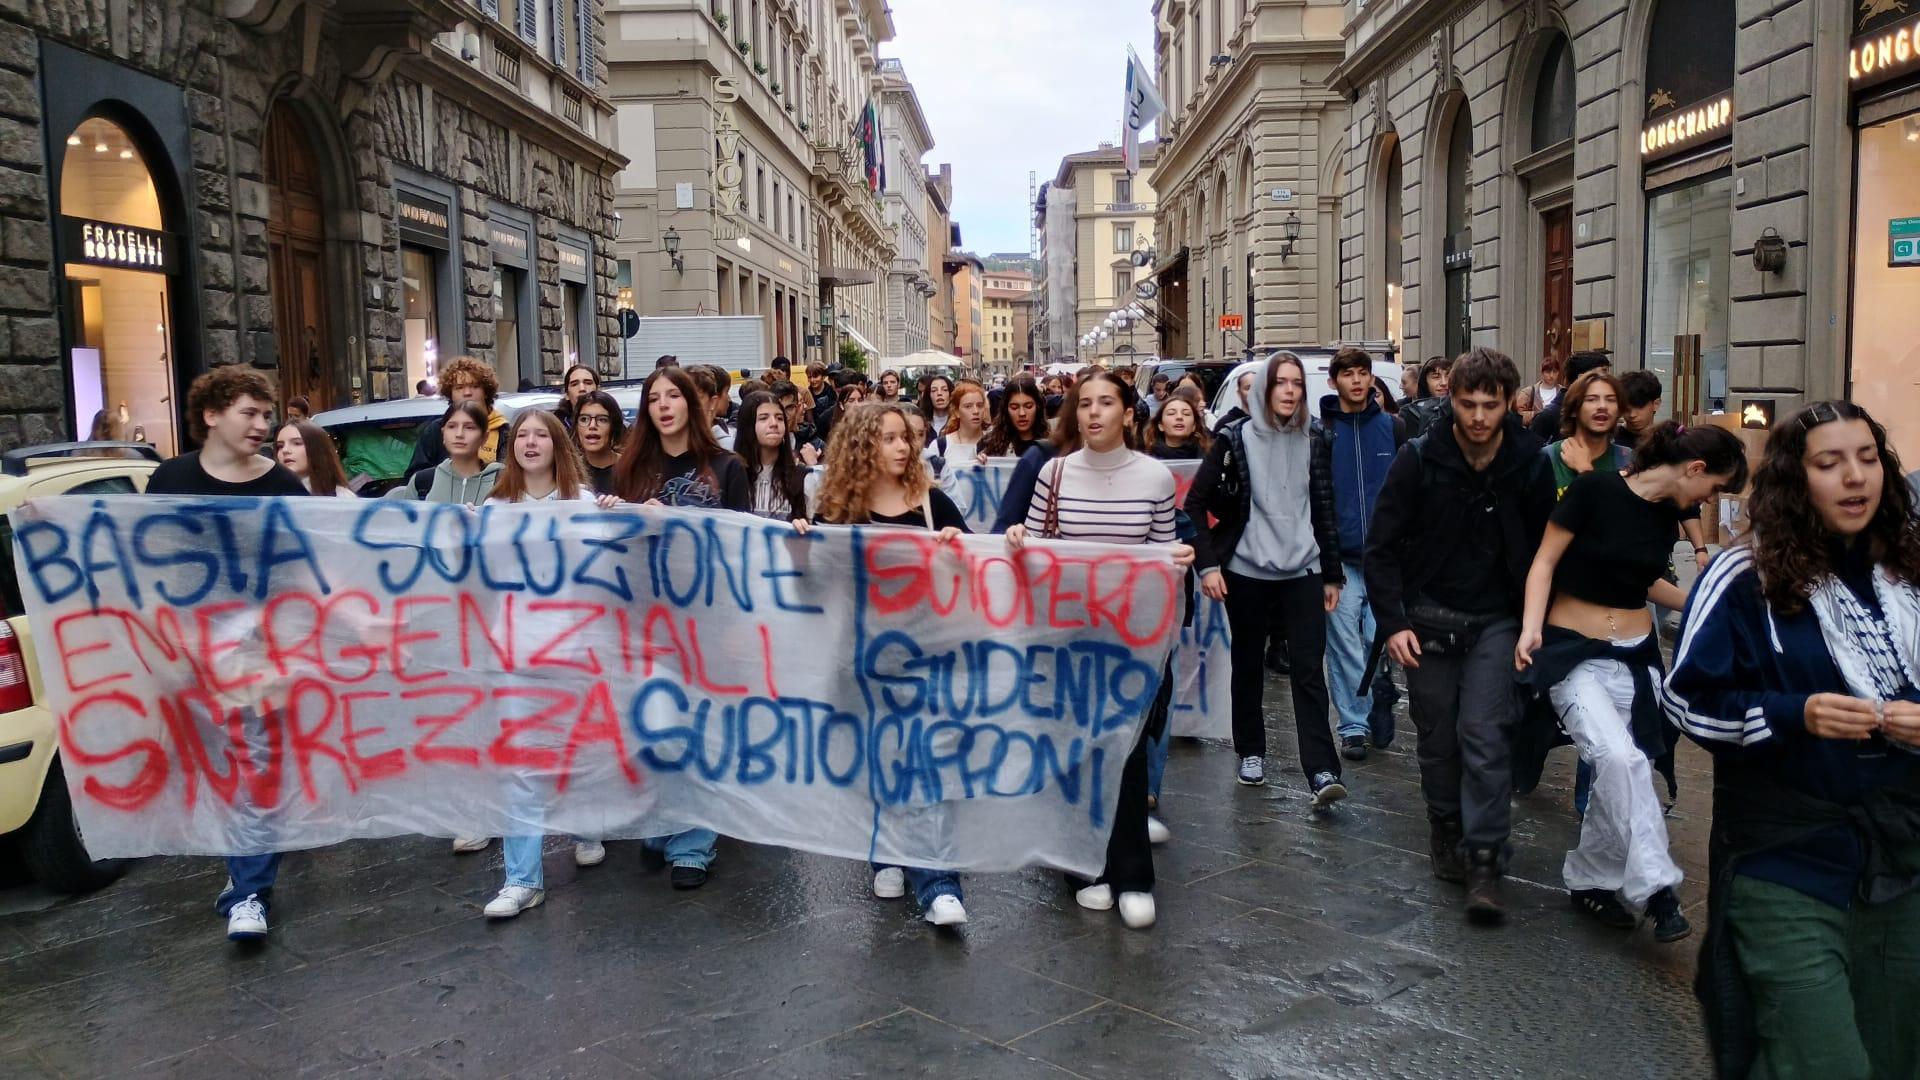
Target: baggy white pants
{"type": "Point", "coordinates": [1623, 841]}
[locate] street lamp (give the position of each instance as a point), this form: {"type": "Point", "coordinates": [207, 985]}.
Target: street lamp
{"type": "Point", "coordinates": [670, 241]}
{"type": "Point", "coordinates": [825, 316]}
{"type": "Point", "coordinates": [1292, 225]}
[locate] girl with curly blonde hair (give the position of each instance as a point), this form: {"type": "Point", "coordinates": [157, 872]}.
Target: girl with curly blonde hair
{"type": "Point", "coordinates": [875, 476]}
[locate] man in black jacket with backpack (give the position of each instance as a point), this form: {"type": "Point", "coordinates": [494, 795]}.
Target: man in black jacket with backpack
{"type": "Point", "coordinates": [1453, 535]}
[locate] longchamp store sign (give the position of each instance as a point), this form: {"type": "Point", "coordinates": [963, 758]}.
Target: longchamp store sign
{"type": "Point", "coordinates": [1883, 54]}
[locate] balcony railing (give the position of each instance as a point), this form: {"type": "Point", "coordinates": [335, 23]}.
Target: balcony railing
{"type": "Point", "coordinates": [506, 63]}
{"type": "Point", "coordinates": [573, 107]}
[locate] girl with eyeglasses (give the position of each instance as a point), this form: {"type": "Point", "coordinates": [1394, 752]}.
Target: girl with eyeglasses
{"type": "Point", "coordinates": [599, 430]}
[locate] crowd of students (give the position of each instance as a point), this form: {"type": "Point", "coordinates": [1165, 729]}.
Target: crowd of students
{"type": "Point", "coordinates": [1507, 548]}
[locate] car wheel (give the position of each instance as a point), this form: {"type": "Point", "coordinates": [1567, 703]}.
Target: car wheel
{"type": "Point", "coordinates": [51, 846]}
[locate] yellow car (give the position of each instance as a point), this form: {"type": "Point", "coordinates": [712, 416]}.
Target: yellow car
{"type": "Point", "coordinates": [36, 817]}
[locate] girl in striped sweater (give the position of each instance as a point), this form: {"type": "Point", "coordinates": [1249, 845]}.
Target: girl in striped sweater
{"type": "Point", "coordinates": [1107, 493]}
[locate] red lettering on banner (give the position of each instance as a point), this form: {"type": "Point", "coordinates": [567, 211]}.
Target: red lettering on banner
{"type": "Point", "coordinates": [211, 648]}
{"type": "Point", "coordinates": [624, 627]}
{"type": "Point", "coordinates": [470, 614]}
{"type": "Point", "coordinates": [402, 638]}
{"type": "Point", "coordinates": [70, 652]}
{"type": "Point", "coordinates": [425, 750]}
{"type": "Point", "coordinates": [912, 582]}
{"type": "Point", "coordinates": [1022, 609]}
{"type": "Point", "coordinates": [384, 765]}
{"type": "Point", "coordinates": [136, 793]}
{"type": "Point", "coordinates": [597, 724]}
{"type": "Point", "coordinates": [657, 615]}
{"type": "Point", "coordinates": [700, 665]}
{"type": "Point", "coordinates": [1052, 578]}
{"type": "Point", "coordinates": [262, 782]}
{"type": "Point", "coordinates": [307, 742]}
{"type": "Point", "coordinates": [311, 647]}
{"type": "Point", "coordinates": [766, 660]}
{"type": "Point", "coordinates": [504, 751]}
{"type": "Point", "coordinates": [588, 615]}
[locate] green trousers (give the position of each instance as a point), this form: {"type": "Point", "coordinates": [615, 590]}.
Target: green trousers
{"type": "Point", "coordinates": [1836, 993]}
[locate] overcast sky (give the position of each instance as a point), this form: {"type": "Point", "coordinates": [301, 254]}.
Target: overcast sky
{"type": "Point", "coordinates": [1014, 85]}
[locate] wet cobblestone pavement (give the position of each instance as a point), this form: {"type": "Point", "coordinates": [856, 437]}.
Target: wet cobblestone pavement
{"type": "Point", "coordinates": [1289, 945]}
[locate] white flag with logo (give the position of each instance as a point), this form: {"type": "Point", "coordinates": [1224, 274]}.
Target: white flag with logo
{"type": "Point", "coordinates": [1143, 106]}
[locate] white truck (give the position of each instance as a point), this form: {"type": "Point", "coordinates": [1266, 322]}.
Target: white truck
{"type": "Point", "coordinates": [734, 342]}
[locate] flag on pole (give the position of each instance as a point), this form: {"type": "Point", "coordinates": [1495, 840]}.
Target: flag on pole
{"type": "Point", "coordinates": [1143, 106]}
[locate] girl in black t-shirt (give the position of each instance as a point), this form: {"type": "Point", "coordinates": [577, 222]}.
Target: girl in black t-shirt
{"type": "Point", "coordinates": [671, 458]}
{"type": "Point", "coordinates": [875, 476]}
{"type": "Point", "coordinates": [1593, 653]}
{"type": "Point", "coordinates": [599, 429]}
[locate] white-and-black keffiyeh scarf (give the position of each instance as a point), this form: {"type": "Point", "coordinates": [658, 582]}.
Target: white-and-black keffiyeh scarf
{"type": "Point", "coordinates": [1878, 656]}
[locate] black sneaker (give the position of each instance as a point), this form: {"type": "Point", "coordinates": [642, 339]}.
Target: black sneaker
{"type": "Point", "coordinates": [1663, 910]}
{"type": "Point", "coordinates": [688, 877]}
{"type": "Point", "coordinates": [1605, 908]}
{"type": "Point", "coordinates": [1353, 747]}
{"type": "Point", "coordinates": [1327, 790]}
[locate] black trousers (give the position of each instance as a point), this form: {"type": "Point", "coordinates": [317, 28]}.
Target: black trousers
{"type": "Point", "coordinates": [1129, 853]}
{"type": "Point", "coordinates": [1252, 606]}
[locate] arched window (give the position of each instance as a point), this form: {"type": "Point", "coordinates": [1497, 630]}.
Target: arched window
{"type": "Point", "coordinates": [1553, 97]}
{"type": "Point", "coordinates": [1457, 249]}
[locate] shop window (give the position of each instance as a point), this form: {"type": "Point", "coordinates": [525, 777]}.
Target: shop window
{"type": "Point", "coordinates": [572, 342]}
{"type": "Point", "coordinates": [1689, 243]}
{"type": "Point", "coordinates": [1885, 371]}
{"type": "Point", "coordinates": [508, 285]}
{"type": "Point", "coordinates": [118, 259]}
{"type": "Point", "coordinates": [419, 280]}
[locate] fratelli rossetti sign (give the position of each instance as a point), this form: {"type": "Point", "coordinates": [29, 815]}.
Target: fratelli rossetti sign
{"type": "Point", "coordinates": [128, 247]}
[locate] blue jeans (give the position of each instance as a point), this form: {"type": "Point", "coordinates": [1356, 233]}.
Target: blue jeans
{"type": "Point", "coordinates": [928, 885]}
{"type": "Point", "coordinates": [1349, 636]}
{"type": "Point", "coordinates": [694, 847]}
{"type": "Point", "coordinates": [523, 860]}
{"type": "Point", "coordinates": [253, 875]}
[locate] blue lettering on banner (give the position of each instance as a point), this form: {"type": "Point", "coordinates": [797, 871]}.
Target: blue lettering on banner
{"type": "Point", "coordinates": [440, 668]}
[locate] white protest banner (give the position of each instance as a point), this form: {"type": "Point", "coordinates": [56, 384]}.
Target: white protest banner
{"type": "Point", "coordinates": [1202, 659]}
{"type": "Point", "coordinates": [234, 676]}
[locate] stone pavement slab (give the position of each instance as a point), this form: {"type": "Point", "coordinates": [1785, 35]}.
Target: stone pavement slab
{"type": "Point", "coordinates": [1289, 945]}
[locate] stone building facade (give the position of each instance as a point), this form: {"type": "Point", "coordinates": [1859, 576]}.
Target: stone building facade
{"type": "Point", "coordinates": [1093, 216]}
{"type": "Point", "coordinates": [339, 198]}
{"type": "Point", "coordinates": [907, 139]}
{"type": "Point", "coordinates": [741, 121]}
{"type": "Point", "coordinates": [1249, 174]}
{"type": "Point", "coordinates": [1718, 193]}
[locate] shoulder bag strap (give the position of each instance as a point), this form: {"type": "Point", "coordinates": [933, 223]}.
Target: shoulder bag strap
{"type": "Point", "coordinates": [1050, 526]}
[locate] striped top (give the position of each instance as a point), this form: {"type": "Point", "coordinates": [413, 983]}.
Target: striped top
{"type": "Point", "coordinates": [1116, 497]}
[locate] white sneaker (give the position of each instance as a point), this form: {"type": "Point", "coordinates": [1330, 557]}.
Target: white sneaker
{"type": "Point", "coordinates": [1157, 831]}
{"type": "Point", "coordinates": [467, 845]}
{"type": "Point", "coordinates": [1095, 898]}
{"type": "Point", "coordinates": [247, 920]}
{"type": "Point", "coordinates": [890, 884]}
{"type": "Point", "coordinates": [589, 853]}
{"type": "Point", "coordinates": [1137, 910]}
{"type": "Point", "coordinates": [513, 900]}
{"type": "Point", "coordinates": [946, 910]}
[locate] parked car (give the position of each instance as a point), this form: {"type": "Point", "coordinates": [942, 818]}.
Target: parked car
{"type": "Point", "coordinates": [1317, 360]}
{"type": "Point", "coordinates": [36, 815]}
{"type": "Point", "coordinates": [376, 439]}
